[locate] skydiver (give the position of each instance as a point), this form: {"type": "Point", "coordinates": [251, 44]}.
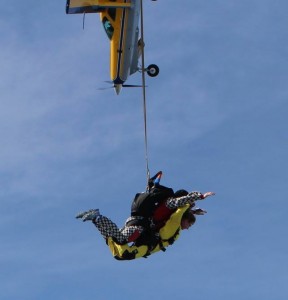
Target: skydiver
{"type": "Point", "coordinates": [143, 226]}
{"type": "Point", "coordinates": [138, 228]}
{"type": "Point", "coordinates": [183, 218]}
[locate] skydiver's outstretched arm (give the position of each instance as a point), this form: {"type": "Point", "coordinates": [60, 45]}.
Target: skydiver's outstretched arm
{"type": "Point", "coordinates": [173, 203]}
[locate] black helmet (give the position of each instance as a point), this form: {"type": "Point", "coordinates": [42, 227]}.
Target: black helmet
{"type": "Point", "coordinates": [181, 193]}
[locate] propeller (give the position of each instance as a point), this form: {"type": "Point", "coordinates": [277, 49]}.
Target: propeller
{"type": "Point", "coordinates": [107, 88]}
{"type": "Point", "coordinates": [131, 85]}
{"type": "Point", "coordinates": [123, 85]}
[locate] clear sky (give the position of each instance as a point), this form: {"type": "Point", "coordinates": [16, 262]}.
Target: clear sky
{"type": "Point", "coordinates": [217, 121]}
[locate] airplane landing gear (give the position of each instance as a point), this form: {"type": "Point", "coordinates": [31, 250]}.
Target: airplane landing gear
{"type": "Point", "coordinates": [152, 70]}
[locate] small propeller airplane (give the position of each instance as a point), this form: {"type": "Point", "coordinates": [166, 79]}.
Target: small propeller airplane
{"type": "Point", "coordinates": [120, 19]}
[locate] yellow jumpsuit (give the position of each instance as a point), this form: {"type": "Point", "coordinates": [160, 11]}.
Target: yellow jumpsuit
{"type": "Point", "coordinates": [171, 230]}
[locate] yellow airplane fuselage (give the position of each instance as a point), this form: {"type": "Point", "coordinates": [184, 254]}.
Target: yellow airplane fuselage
{"type": "Point", "coordinates": [121, 26]}
{"type": "Point", "coordinates": [120, 19]}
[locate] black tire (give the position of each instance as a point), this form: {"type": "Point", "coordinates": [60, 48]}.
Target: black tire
{"type": "Point", "coordinates": [153, 70]}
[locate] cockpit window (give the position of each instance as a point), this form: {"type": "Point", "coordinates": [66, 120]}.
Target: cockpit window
{"type": "Point", "coordinates": [109, 29]}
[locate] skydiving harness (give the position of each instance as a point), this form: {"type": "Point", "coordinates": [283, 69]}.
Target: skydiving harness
{"type": "Point", "coordinates": [129, 255]}
{"type": "Point", "coordinates": [170, 241]}
{"type": "Point", "coordinates": [142, 211]}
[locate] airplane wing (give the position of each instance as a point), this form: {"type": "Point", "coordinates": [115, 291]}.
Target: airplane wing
{"type": "Point", "coordinates": [92, 6]}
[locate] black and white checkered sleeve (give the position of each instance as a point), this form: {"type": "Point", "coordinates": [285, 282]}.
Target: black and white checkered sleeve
{"type": "Point", "coordinates": [173, 203]}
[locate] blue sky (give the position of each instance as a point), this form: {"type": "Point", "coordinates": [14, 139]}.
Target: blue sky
{"type": "Point", "coordinates": [217, 121]}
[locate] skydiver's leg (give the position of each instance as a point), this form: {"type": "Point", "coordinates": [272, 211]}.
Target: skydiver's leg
{"type": "Point", "coordinates": [108, 228]}
{"type": "Point", "coordinates": [132, 232]}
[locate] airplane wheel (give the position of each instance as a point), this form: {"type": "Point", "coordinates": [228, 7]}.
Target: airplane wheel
{"type": "Point", "coordinates": [153, 70]}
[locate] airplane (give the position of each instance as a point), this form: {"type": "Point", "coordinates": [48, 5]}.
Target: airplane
{"type": "Point", "coordinates": [120, 19]}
